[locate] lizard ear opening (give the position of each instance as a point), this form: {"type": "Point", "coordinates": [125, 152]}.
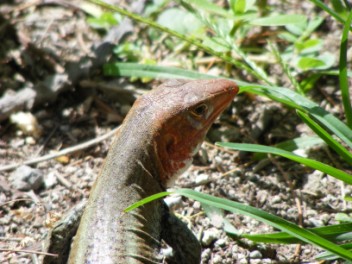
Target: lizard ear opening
{"type": "Point", "coordinates": [170, 141]}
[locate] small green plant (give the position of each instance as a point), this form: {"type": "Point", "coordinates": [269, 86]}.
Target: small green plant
{"type": "Point", "coordinates": [214, 31]}
{"type": "Point", "coordinates": [306, 52]}
{"type": "Point", "coordinates": [104, 20]}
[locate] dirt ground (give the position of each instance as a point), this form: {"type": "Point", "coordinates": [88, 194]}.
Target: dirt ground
{"type": "Point", "coordinates": [50, 62]}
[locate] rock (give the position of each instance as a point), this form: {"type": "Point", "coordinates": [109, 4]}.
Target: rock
{"type": "Point", "coordinates": [173, 202]}
{"type": "Point", "coordinates": [26, 178]}
{"type": "Point", "coordinates": [255, 254]}
{"type": "Point", "coordinates": [197, 205]}
{"type": "Point", "coordinates": [202, 179]}
{"type": "Point", "coordinates": [220, 242]}
{"type": "Point", "coordinates": [27, 123]}
{"type": "Point", "coordinates": [241, 259]}
{"type": "Point", "coordinates": [276, 199]}
{"type": "Point", "coordinates": [261, 119]}
{"type": "Point", "coordinates": [210, 235]}
{"type": "Point", "coordinates": [217, 259]}
{"type": "Point", "coordinates": [50, 180]}
{"type": "Point", "coordinates": [206, 253]}
{"type": "Point", "coordinates": [167, 252]}
{"type": "Point", "coordinates": [315, 222]}
{"type": "Point", "coordinates": [313, 183]}
{"type": "Point", "coordinates": [262, 197]}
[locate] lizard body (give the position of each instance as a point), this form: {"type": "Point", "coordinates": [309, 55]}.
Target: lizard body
{"type": "Point", "coordinates": [156, 142]}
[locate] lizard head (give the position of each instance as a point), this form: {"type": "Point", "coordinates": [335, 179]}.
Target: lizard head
{"type": "Point", "coordinates": [184, 112]}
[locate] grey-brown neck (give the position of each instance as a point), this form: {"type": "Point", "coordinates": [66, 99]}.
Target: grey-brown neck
{"type": "Point", "coordinates": [129, 174]}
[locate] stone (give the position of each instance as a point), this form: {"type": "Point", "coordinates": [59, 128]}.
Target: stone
{"type": "Point", "coordinates": [255, 254]}
{"type": "Point", "coordinates": [210, 235]}
{"type": "Point", "coordinates": [26, 178]}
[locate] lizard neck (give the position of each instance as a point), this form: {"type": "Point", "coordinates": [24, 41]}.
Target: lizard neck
{"type": "Point", "coordinates": [129, 174]}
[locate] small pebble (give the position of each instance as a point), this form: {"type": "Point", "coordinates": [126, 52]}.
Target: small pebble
{"type": "Point", "coordinates": [315, 222]}
{"type": "Point", "coordinates": [27, 123]}
{"type": "Point", "coordinates": [173, 202]}
{"type": "Point", "coordinates": [210, 235]}
{"type": "Point", "coordinates": [26, 178]}
{"type": "Point", "coordinates": [276, 199]}
{"type": "Point", "coordinates": [55, 197]}
{"type": "Point", "coordinates": [30, 141]}
{"type": "Point", "coordinates": [50, 180]}
{"type": "Point", "coordinates": [206, 253]}
{"type": "Point", "coordinates": [218, 160]}
{"type": "Point", "coordinates": [198, 189]}
{"type": "Point", "coordinates": [167, 252]}
{"type": "Point", "coordinates": [197, 205]}
{"type": "Point", "coordinates": [313, 182]}
{"type": "Point", "coordinates": [255, 254]}
{"type": "Point", "coordinates": [241, 258]}
{"type": "Point", "coordinates": [234, 249]}
{"type": "Point", "coordinates": [232, 194]}
{"type": "Point", "coordinates": [17, 142]}
{"type": "Point", "coordinates": [217, 259]}
{"type": "Point", "coordinates": [220, 242]}
{"type": "Point", "coordinates": [292, 211]}
{"type": "Point", "coordinates": [202, 179]}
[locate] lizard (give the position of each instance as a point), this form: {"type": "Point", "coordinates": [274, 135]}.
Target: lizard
{"type": "Point", "coordinates": [156, 142]}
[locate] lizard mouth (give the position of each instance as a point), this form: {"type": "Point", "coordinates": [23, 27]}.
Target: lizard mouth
{"type": "Point", "coordinates": [220, 101]}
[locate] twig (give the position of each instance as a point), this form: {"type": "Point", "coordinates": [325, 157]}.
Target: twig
{"type": "Point", "coordinates": [24, 6]}
{"type": "Point", "coordinates": [222, 149]}
{"type": "Point", "coordinates": [46, 141]}
{"type": "Point", "coordinates": [17, 239]}
{"type": "Point", "coordinates": [14, 201]}
{"type": "Point", "coordinates": [63, 181]}
{"type": "Point", "coordinates": [62, 152]}
{"type": "Point", "coordinates": [28, 251]}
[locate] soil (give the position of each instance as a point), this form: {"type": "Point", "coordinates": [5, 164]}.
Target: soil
{"type": "Point", "coordinates": [49, 41]}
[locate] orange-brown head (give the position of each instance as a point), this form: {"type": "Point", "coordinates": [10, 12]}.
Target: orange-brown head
{"type": "Point", "coordinates": [183, 113]}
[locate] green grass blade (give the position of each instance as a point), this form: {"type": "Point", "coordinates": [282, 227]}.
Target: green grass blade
{"type": "Point", "coordinates": [329, 256]}
{"type": "Point", "coordinates": [277, 222]}
{"type": "Point", "coordinates": [331, 233]}
{"type": "Point", "coordinates": [336, 173]}
{"type": "Point", "coordinates": [295, 100]}
{"type": "Point", "coordinates": [335, 73]}
{"type": "Point", "coordinates": [344, 153]}
{"type": "Point", "coordinates": [210, 7]}
{"type": "Point", "coordinates": [343, 71]}
{"type": "Point", "coordinates": [305, 142]}
{"type": "Point", "coordinates": [300, 143]}
{"type": "Point", "coordinates": [328, 10]}
{"type": "Point", "coordinates": [252, 64]}
{"type": "Point", "coordinates": [146, 200]}
{"type": "Point", "coordinates": [278, 20]}
{"type": "Point", "coordinates": [151, 71]}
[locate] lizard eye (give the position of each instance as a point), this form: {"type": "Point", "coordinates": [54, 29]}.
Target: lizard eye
{"type": "Point", "coordinates": [199, 110]}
